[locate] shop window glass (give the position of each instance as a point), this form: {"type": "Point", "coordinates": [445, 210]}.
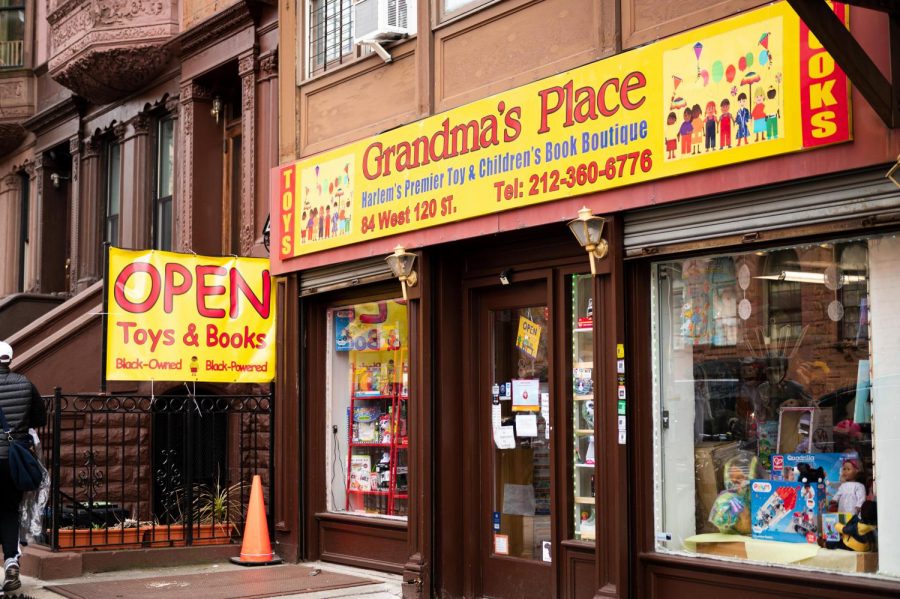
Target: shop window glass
{"type": "Point", "coordinates": [366, 422]}
{"type": "Point", "coordinates": [764, 428]}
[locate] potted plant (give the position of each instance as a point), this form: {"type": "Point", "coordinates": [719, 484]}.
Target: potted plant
{"type": "Point", "coordinates": [124, 535]}
{"type": "Point", "coordinates": [213, 509]}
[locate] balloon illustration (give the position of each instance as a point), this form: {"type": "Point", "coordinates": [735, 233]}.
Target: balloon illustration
{"type": "Point", "coordinates": [698, 49]}
{"type": "Point", "coordinates": [718, 71]}
{"type": "Point", "coordinates": [730, 72]}
{"type": "Point", "coordinates": [749, 58]}
{"type": "Point", "coordinates": [742, 63]}
{"type": "Point", "coordinates": [704, 74]}
{"type": "Point", "coordinates": [763, 58]}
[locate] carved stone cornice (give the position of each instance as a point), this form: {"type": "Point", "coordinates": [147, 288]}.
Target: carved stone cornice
{"type": "Point", "coordinates": [11, 182]}
{"type": "Point", "coordinates": [119, 130]}
{"type": "Point", "coordinates": [214, 29]}
{"type": "Point", "coordinates": [172, 104]}
{"type": "Point", "coordinates": [247, 64]}
{"type": "Point", "coordinates": [268, 65]}
{"type": "Point", "coordinates": [141, 124]}
{"type": "Point", "coordinates": [194, 92]}
{"type": "Point", "coordinates": [105, 49]}
{"type": "Point", "coordinates": [56, 114]}
{"type": "Point", "coordinates": [92, 147]}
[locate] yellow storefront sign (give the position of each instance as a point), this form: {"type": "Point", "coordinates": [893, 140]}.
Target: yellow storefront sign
{"type": "Point", "coordinates": [749, 87]}
{"type": "Point", "coordinates": [183, 317]}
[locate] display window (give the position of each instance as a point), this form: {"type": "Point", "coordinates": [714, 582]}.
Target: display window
{"type": "Point", "coordinates": [367, 469]}
{"type": "Point", "coordinates": [776, 405]}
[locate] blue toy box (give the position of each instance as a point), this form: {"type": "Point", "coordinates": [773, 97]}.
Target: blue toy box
{"type": "Point", "coordinates": [784, 464]}
{"type": "Point", "coordinates": [786, 511]}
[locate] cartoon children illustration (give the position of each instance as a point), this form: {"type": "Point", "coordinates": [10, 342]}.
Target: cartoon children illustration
{"type": "Point", "coordinates": [711, 122]}
{"type": "Point", "coordinates": [303, 230]}
{"type": "Point", "coordinates": [759, 115]}
{"type": "Point", "coordinates": [686, 132]}
{"type": "Point", "coordinates": [697, 122]}
{"type": "Point", "coordinates": [772, 114]}
{"type": "Point", "coordinates": [725, 124]}
{"type": "Point", "coordinates": [671, 129]}
{"type": "Point", "coordinates": [742, 120]}
{"type": "Point", "coordinates": [334, 221]}
{"type": "Point", "coordinates": [321, 224]}
{"type": "Point", "coordinates": [311, 224]}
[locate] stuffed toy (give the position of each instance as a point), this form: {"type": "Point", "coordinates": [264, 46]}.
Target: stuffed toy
{"type": "Point", "coordinates": [808, 475]}
{"type": "Point", "coordinates": [859, 533]}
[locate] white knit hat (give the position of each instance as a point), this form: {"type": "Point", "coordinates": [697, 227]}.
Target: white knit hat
{"type": "Point", "coordinates": [6, 353]}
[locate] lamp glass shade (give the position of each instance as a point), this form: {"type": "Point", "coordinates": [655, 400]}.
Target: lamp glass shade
{"type": "Point", "coordinates": [401, 262]}
{"type": "Point", "coordinates": [587, 228]}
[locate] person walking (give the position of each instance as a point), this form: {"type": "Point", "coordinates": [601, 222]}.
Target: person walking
{"type": "Point", "coordinates": [23, 408]}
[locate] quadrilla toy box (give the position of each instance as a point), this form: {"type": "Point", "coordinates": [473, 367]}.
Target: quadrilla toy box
{"type": "Point", "coordinates": [783, 465]}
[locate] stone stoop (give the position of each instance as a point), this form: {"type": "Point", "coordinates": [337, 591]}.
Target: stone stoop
{"type": "Point", "coordinates": [39, 562]}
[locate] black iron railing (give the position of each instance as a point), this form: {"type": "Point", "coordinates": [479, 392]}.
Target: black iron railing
{"type": "Point", "coordinates": [131, 471]}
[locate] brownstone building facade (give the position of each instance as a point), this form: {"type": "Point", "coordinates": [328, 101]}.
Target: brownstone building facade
{"type": "Point", "coordinates": [145, 125]}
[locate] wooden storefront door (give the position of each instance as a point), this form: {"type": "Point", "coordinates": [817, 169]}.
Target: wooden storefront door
{"type": "Point", "coordinates": [512, 353]}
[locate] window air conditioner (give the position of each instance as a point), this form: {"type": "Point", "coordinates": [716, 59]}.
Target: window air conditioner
{"type": "Point", "coordinates": [383, 20]}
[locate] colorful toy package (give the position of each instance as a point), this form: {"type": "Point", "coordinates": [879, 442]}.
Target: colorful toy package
{"type": "Point", "coordinates": [786, 511]}
{"type": "Point", "coordinates": [784, 467]}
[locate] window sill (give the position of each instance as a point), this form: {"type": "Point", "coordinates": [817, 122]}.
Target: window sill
{"type": "Point", "coordinates": [376, 521]}
{"type": "Point", "coordinates": [354, 62]}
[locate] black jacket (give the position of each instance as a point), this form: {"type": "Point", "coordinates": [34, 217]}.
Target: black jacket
{"type": "Point", "coordinates": [22, 405]}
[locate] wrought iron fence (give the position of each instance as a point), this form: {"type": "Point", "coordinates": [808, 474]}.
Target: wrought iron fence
{"type": "Point", "coordinates": [131, 471]}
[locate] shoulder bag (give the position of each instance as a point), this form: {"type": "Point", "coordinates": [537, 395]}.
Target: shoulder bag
{"type": "Point", "coordinates": [24, 468]}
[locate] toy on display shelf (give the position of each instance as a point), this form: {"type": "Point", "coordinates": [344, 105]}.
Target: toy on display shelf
{"type": "Point", "coordinates": [786, 511]}
{"type": "Point", "coordinates": [785, 467]}
{"type": "Point", "coordinates": [730, 512]}
{"type": "Point", "coordinates": [851, 494]}
{"type": "Point", "coordinates": [858, 534]}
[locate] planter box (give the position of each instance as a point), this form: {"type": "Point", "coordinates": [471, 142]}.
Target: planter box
{"type": "Point", "coordinates": [203, 534]}
{"type": "Point", "coordinates": [101, 538]}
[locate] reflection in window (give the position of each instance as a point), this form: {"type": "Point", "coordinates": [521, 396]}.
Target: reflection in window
{"type": "Point", "coordinates": [165, 184]}
{"type": "Point", "coordinates": [852, 293]}
{"type": "Point", "coordinates": [12, 33]}
{"type": "Point", "coordinates": [768, 436]}
{"type": "Point", "coordinates": [113, 193]}
{"type": "Point", "coordinates": [783, 295]}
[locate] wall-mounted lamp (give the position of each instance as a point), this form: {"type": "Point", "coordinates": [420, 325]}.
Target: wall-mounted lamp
{"type": "Point", "coordinates": [588, 230]}
{"type": "Point", "coordinates": [401, 264]}
{"type": "Point", "coordinates": [55, 179]}
{"type": "Point", "coordinates": [890, 173]}
{"type": "Point", "coordinates": [216, 109]}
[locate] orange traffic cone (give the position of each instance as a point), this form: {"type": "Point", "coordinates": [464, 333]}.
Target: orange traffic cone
{"type": "Point", "coordinates": [256, 550]}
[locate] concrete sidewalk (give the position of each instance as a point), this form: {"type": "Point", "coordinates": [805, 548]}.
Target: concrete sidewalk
{"type": "Point", "coordinates": [386, 586]}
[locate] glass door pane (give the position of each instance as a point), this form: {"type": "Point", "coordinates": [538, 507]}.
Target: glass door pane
{"type": "Point", "coordinates": [520, 461]}
{"type": "Point", "coordinates": [583, 442]}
